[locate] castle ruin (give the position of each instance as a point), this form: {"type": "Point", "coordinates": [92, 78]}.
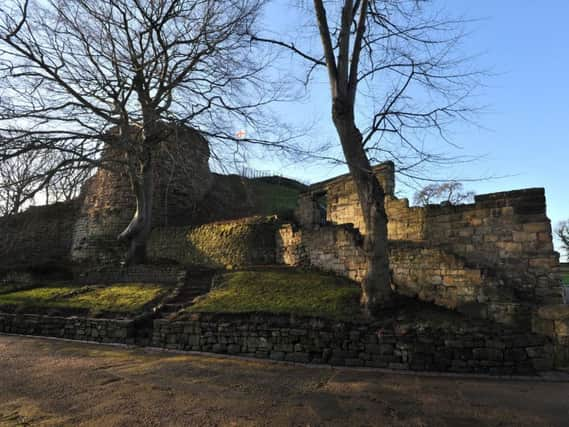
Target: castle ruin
{"type": "Point", "coordinates": [492, 259]}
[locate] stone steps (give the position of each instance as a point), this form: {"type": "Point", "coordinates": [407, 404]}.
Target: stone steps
{"type": "Point", "coordinates": [197, 282]}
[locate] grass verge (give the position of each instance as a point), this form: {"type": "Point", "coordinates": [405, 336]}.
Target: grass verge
{"type": "Point", "coordinates": [282, 291]}
{"type": "Point", "coordinates": [117, 298]}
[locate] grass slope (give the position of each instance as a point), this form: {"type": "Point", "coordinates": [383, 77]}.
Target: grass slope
{"type": "Point", "coordinates": [282, 291]}
{"type": "Point", "coordinates": [273, 198]}
{"type": "Point", "coordinates": [119, 298]}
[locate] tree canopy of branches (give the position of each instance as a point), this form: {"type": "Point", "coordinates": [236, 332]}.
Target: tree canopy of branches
{"type": "Point", "coordinates": [394, 75]}
{"type": "Point", "coordinates": [79, 75]}
{"type": "Point", "coordinates": [447, 192]}
{"type": "Point", "coordinates": [36, 175]}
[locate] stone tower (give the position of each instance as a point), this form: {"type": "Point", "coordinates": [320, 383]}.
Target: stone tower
{"type": "Point", "coordinates": [182, 178]}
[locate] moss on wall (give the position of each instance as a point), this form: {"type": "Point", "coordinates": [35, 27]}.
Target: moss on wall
{"type": "Point", "coordinates": [249, 241]}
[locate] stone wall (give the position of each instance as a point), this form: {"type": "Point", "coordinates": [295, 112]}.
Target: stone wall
{"type": "Point", "coordinates": [493, 257]}
{"type": "Point", "coordinates": [429, 273]}
{"type": "Point", "coordinates": [431, 343]}
{"type": "Point", "coordinates": [38, 237]}
{"type": "Point", "coordinates": [330, 248]}
{"type": "Point", "coordinates": [507, 232]}
{"type": "Point", "coordinates": [335, 201]}
{"type": "Point", "coordinates": [407, 345]}
{"type": "Point", "coordinates": [553, 321]}
{"type": "Point", "coordinates": [146, 273]}
{"type": "Point", "coordinates": [248, 241]}
{"type": "Point", "coordinates": [75, 328]}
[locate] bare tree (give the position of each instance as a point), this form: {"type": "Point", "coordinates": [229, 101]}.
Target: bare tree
{"type": "Point", "coordinates": [80, 75]}
{"type": "Point", "coordinates": [16, 178]}
{"type": "Point", "coordinates": [36, 176]}
{"type": "Point", "coordinates": [562, 232]}
{"type": "Point", "coordinates": [393, 75]}
{"type": "Point", "coordinates": [447, 192]}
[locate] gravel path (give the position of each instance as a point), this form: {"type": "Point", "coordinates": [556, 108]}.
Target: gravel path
{"type": "Point", "coordinates": [56, 383]}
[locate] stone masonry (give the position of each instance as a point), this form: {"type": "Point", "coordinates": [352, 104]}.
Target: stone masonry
{"type": "Point", "coordinates": [182, 179]}
{"type": "Point", "coordinates": [491, 259]}
{"type": "Point", "coordinates": [405, 345]}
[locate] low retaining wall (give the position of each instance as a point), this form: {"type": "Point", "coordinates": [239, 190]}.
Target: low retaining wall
{"type": "Point", "coordinates": [472, 348]}
{"type": "Point", "coordinates": [74, 328]}
{"type": "Point", "coordinates": [144, 273]}
{"type": "Point", "coordinates": [419, 345]}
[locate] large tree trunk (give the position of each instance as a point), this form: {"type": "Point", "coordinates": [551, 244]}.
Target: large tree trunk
{"type": "Point", "coordinates": [138, 230]}
{"type": "Point", "coordinates": [376, 286]}
{"type": "Point", "coordinates": [140, 161]}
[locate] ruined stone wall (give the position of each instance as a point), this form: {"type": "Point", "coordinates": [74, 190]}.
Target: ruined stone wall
{"type": "Point", "coordinates": [506, 235]}
{"type": "Point", "coordinates": [493, 258]}
{"type": "Point", "coordinates": [342, 205]}
{"type": "Point", "coordinates": [331, 248]}
{"type": "Point", "coordinates": [429, 273]}
{"type": "Point", "coordinates": [248, 241]}
{"type": "Point", "coordinates": [507, 232]}
{"type": "Point", "coordinates": [181, 180]}
{"type": "Point", "coordinates": [38, 237]}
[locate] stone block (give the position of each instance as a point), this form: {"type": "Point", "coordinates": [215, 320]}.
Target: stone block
{"type": "Point", "coordinates": [298, 357]}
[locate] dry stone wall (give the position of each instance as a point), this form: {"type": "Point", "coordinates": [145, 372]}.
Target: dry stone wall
{"type": "Point", "coordinates": [414, 345]}
{"type": "Point", "coordinates": [74, 328]}
{"type": "Point", "coordinates": [147, 273]}
{"type": "Point", "coordinates": [418, 344]}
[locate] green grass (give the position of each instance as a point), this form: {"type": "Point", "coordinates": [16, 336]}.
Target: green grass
{"type": "Point", "coordinates": [119, 298]}
{"type": "Point", "coordinates": [282, 291]}
{"type": "Point", "coordinates": [273, 198]}
{"type": "Point", "coordinates": [565, 279]}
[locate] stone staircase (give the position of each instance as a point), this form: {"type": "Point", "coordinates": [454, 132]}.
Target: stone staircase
{"type": "Point", "coordinates": [196, 282]}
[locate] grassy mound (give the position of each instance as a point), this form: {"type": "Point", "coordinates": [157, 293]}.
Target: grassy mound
{"type": "Point", "coordinates": [273, 198]}
{"type": "Point", "coordinates": [282, 291]}
{"type": "Point", "coordinates": [565, 279]}
{"type": "Point", "coordinates": [118, 298]}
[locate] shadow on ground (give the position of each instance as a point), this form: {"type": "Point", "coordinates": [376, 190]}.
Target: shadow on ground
{"type": "Point", "coordinates": [55, 383]}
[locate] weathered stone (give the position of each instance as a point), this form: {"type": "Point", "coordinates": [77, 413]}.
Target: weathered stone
{"type": "Point", "coordinates": [554, 312]}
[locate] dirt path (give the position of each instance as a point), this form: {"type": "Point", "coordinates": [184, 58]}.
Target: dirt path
{"type": "Point", "coordinates": [55, 383]}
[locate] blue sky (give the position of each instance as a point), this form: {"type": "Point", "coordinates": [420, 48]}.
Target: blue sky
{"type": "Point", "coordinates": [523, 135]}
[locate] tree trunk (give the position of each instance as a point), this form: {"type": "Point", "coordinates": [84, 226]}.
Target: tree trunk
{"type": "Point", "coordinates": [138, 230]}
{"type": "Point", "coordinates": [376, 286]}
{"type": "Point", "coordinates": [140, 161]}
